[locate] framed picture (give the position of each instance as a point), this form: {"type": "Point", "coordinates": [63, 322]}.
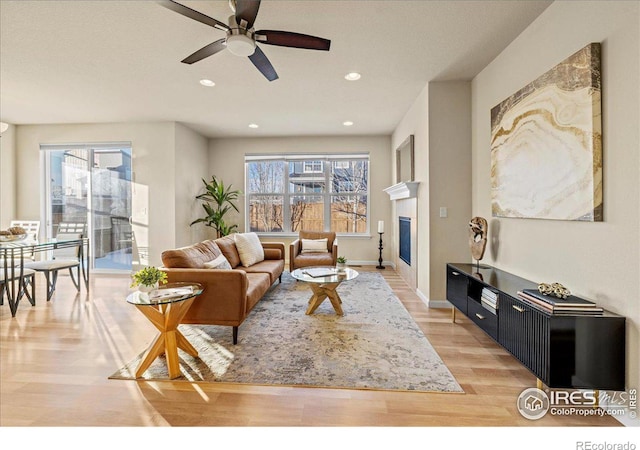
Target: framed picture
{"type": "Point", "coordinates": [546, 144]}
{"type": "Point", "coordinates": [405, 165]}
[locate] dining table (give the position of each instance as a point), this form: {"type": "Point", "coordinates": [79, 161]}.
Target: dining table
{"type": "Point", "coordinates": [14, 253]}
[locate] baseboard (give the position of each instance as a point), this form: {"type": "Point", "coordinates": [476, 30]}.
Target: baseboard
{"type": "Point", "coordinates": [369, 263]}
{"type": "Point", "coordinates": [432, 303]}
{"type": "Point", "coordinates": [439, 304]}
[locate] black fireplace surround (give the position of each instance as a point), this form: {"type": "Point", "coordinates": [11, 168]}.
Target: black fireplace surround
{"type": "Point", "coordinates": [405, 239]}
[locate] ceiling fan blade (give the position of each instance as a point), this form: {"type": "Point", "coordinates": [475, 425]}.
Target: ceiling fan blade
{"type": "Point", "coordinates": [206, 51]}
{"type": "Point", "coordinates": [289, 39]}
{"type": "Point", "coordinates": [260, 60]}
{"type": "Point", "coordinates": [247, 10]}
{"type": "Point", "coordinates": [193, 14]}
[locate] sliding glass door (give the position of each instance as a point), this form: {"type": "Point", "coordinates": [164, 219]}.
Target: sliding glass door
{"type": "Point", "coordinates": [91, 184]}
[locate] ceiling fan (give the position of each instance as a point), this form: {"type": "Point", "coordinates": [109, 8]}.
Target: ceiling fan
{"type": "Point", "coordinates": [241, 37]}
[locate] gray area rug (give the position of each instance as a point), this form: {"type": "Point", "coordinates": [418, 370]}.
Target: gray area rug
{"type": "Point", "coordinates": [375, 345]}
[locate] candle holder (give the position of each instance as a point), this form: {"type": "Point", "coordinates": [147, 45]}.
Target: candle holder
{"type": "Point", "coordinates": [380, 266]}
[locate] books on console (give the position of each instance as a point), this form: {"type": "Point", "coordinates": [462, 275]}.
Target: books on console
{"type": "Point", "coordinates": [489, 300]}
{"type": "Point", "coordinates": [571, 305]}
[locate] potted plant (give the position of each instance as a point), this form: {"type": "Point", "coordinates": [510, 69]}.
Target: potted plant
{"type": "Point", "coordinates": [218, 200]}
{"type": "Point", "coordinates": [341, 263]}
{"type": "Point", "coordinates": [148, 279]}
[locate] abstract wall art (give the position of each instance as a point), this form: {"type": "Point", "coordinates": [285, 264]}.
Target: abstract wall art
{"type": "Point", "coordinates": [546, 144]}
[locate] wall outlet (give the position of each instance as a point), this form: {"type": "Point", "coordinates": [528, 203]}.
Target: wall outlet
{"type": "Point", "coordinates": [443, 211]}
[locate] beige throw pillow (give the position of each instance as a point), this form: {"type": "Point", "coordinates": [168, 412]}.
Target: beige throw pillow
{"type": "Point", "coordinates": [314, 246]}
{"type": "Point", "coordinates": [249, 248]}
{"type": "Point", "coordinates": [220, 262]}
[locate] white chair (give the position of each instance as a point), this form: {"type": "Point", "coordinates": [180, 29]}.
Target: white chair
{"type": "Point", "coordinates": [64, 258]}
{"type": "Point", "coordinates": [32, 227]}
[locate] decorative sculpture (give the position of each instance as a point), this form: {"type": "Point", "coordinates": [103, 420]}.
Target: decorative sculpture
{"type": "Point", "coordinates": [555, 289]}
{"type": "Point", "coordinates": [478, 230]}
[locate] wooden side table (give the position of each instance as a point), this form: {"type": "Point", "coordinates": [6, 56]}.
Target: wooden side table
{"type": "Point", "coordinates": [165, 307]}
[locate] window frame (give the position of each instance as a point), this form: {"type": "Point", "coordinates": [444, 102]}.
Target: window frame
{"type": "Point", "coordinates": [327, 195]}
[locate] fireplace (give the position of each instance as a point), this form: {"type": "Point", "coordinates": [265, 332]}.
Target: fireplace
{"type": "Point", "coordinates": [405, 238]}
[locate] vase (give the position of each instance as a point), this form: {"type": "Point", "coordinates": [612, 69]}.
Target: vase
{"type": "Point", "coordinates": [147, 288]}
{"type": "Point", "coordinates": [341, 267]}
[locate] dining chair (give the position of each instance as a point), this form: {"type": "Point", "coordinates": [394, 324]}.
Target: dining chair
{"type": "Point", "coordinates": [62, 259]}
{"type": "Point", "coordinates": [23, 289]}
{"type": "Point", "coordinates": [32, 227]}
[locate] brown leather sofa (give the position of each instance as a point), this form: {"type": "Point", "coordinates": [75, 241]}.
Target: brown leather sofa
{"type": "Point", "coordinates": [229, 295]}
{"type": "Point", "coordinates": [298, 259]}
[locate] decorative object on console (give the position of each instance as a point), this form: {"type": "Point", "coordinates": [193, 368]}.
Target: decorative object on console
{"type": "Point", "coordinates": [148, 279]}
{"type": "Point", "coordinates": [223, 198]}
{"type": "Point", "coordinates": [380, 232]}
{"type": "Point", "coordinates": [555, 289]}
{"type": "Point", "coordinates": [546, 144]}
{"type": "Point", "coordinates": [570, 305]}
{"type": "Point", "coordinates": [478, 230]}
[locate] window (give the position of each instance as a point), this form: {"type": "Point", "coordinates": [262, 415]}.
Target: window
{"type": "Point", "coordinates": [313, 167]}
{"type": "Point", "coordinates": [304, 192]}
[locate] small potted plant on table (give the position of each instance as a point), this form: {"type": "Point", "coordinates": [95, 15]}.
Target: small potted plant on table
{"type": "Point", "coordinates": [341, 263]}
{"type": "Point", "coordinates": [148, 279]}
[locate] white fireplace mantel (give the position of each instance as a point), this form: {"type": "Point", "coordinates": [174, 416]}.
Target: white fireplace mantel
{"type": "Point", "coordinates": [406, 189]}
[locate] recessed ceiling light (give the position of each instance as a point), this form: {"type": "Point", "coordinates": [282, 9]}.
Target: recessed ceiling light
{"type": "Point", "coordinates": [352, 76]}
{"type": "Point", "coordinates": [208, 83]}
{"type": "Point", "coordinates": [348, 123]}
{"type": "Point", "coordinates": [253, 125]}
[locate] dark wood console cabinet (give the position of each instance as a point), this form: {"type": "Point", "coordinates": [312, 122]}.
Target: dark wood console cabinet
{"type": "Point", "coordinates": [572, 352]}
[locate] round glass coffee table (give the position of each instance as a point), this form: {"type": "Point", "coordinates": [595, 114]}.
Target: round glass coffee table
{"type": "Point", "coordinates": [165, 307]}
{"type": "Point", "coordinates": [324, 281]}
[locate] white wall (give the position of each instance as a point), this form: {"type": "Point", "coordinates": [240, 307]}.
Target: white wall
{"type": "Point", "coordinates": [7, 177]}
{"type": "Point", "coordinates": [416, 122]}
{"type": "Point", "coordinates": [600, 261]}
{"type": "Point", "coordinates": [227, 162]}
{"type": "Point", "coordinates": [440, 121]}
{"type": "Point", "coordinates": [191, 166]}
{"type": "Point", "coordinates": [449, 179]}
{"type": "Point", "coordinates": [153, 166]}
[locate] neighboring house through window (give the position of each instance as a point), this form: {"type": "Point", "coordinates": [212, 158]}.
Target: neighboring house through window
{"type": "Point", "coordinates": [289, 193]}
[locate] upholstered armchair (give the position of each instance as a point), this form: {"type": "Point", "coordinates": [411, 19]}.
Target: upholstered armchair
{"type": "Point", "coordinates": [306, 251]}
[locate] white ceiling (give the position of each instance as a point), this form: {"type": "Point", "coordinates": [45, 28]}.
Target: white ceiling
{"type": "Point", "coordinates": [119, 61]}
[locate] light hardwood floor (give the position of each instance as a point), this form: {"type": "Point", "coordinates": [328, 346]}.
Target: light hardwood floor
{"type": "Point", "coordinates": [56, 357]}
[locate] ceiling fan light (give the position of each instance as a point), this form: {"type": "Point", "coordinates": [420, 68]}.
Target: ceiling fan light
{"type": "Point", "coordinates": [241, 45]}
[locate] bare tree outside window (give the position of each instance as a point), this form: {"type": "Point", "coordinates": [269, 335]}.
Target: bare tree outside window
{"type": "Point", "coordinates": [266, 207]}
{"type": "Point", "coordinates": [349, 210]}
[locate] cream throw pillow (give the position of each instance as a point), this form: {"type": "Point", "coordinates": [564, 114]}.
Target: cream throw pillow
{"type": "Point", "coordinates": [220, 262]}
{"type": "Point", "coordinates": [314, 246]}
{"type": "Point", "coordinates": [249, 248]}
